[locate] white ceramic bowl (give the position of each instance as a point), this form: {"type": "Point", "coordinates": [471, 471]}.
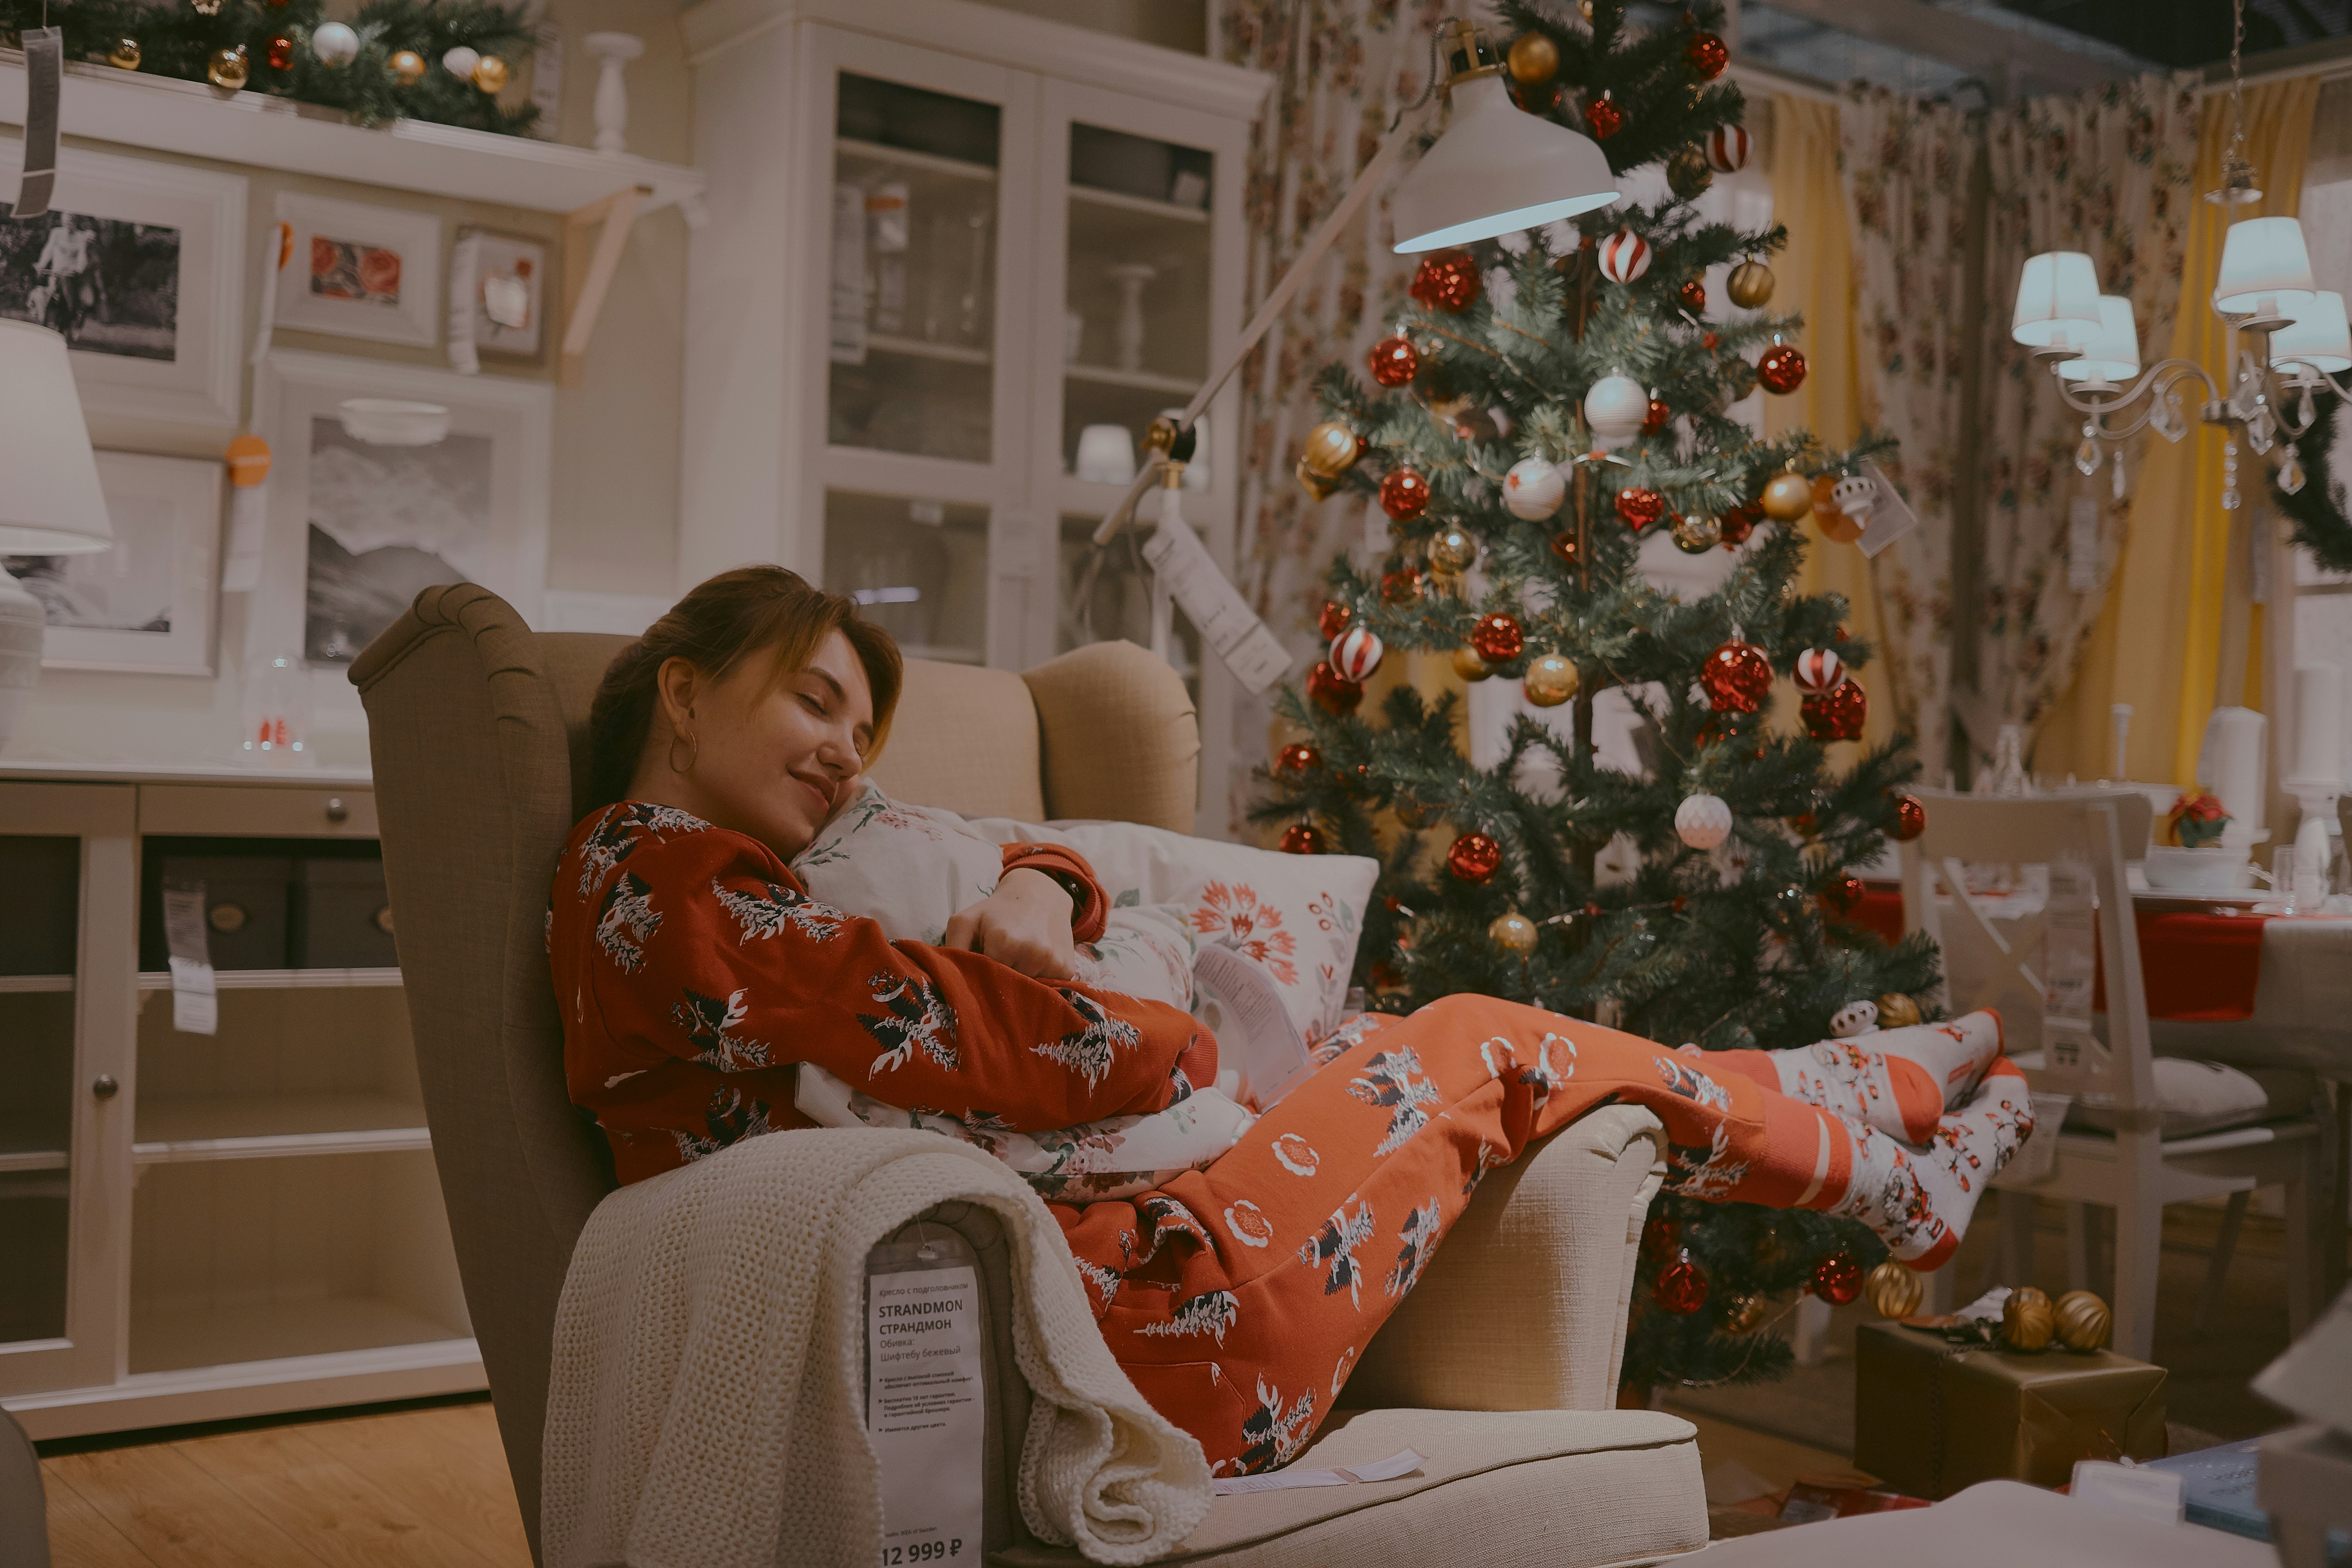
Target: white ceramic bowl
{"type": "Point", "coordinates": [2212, 869]}
{"type": "Point", "coordinates": [393, 421]}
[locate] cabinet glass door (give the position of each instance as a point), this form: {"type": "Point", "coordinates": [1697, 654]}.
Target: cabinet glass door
{"type": "Point", "coordinates": [1106, 595]}
{"type": "Point", "coordinates": [39, 925]}
{"type": "Point", "coordinates": [913, 323]}
{"type": "Point", "coordinates": [918, 568]}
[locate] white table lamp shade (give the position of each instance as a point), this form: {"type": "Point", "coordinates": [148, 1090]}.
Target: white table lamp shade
{"type": "Point", "coordinates": [1495, 169]}
{"type": "Point", "coordinates": [2113, 351]}
{"type": "Point", "coordinates": [49, 500]}
{"type": "Point", "coordinates": [2057, 300]}
{"type": "Point", "coordinates": [2263, 258]}
{"type": "Point", "coordinates": [2318, 337]}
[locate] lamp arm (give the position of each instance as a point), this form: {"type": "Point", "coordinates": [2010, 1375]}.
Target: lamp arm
{"type": "Point", "coordinates": [1318, 244]}
{"type": "Point", "coordinates": [2159, 384]}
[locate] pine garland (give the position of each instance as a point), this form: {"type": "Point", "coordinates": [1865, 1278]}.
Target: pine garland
{"type": "Point", "coordinates": [176, 40]}
{"type": "Point", "coordinates": [2320, 510]}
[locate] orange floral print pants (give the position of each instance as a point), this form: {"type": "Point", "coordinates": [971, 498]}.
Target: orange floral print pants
{"type": "Point", "coordinates": [1238, 1298]}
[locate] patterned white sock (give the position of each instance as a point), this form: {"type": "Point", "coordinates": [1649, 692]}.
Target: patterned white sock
{"type": "Point", "coordinates": [1918, 1200]}
{"type": "Point", "coordinates": [1953, 1054]}
{"type": "Point", "coordinates": [1867, 1086]}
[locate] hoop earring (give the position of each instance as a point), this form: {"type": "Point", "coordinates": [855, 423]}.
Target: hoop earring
{"type": "Point", "coordinates": [693, 756]}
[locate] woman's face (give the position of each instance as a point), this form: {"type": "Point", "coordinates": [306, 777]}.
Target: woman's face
{"type": "Point", "coordinates": [772, 758]}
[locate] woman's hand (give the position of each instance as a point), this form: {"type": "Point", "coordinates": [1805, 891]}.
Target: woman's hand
{"type": "Point", "coordinates": [1024, 924]}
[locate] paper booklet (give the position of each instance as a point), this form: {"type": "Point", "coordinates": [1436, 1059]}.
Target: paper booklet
{"type": "Point", "coordinates": [1260, 1055]}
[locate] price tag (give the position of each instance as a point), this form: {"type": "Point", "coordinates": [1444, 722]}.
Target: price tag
{"type": "Point", "coordinates": [195, 1004]}
{"type": "Point", "coordinates": [1225, 620]}
{"type": "Point", "coordinates": [924, 1412]}
{"type": "Point", "coordinates": [2072, 1052]}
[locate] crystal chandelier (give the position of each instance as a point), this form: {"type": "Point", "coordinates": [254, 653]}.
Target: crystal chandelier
{"type": "Point", "coordinates": [2292, 337]}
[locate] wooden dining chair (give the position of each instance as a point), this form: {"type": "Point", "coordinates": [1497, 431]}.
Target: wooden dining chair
{"type": "Point", "coordinates": [2126, 1163]}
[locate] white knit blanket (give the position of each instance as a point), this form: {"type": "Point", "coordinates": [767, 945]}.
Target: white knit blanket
{"type": "Point", "coordinates": [706, 1407]}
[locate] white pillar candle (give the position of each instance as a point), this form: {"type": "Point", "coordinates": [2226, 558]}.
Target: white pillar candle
{"type": "Point", "coordinates": [2319, 722]}
{"type": "Point", "coordinates": [2231, 765]}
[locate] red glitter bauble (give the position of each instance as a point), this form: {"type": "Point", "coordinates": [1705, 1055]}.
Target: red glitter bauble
{"type": "Point", "coordinates": [1693, 294]}
{"type": "Point", "coordinates": [1844, 895]}
{"type": "Point", "coordinates": [1394, 361]}
{"type": "Point", "coordinates": [1837, 1278]}
{"type": "Point", "coordinates": [1736, 677]}
{"type": "Point", "coordinates": [1445, 280]}
{"type": "Point", "coordinates": [1640, 507]}
{"type": "Point", "coordinates": [1404, 494]}
{"type": "Point", "coordinates": [1604, 118]}
{"type": "Point", "coordinates": [1681, 1287]}
{"type": "Point", "coordinates": [1302, 838]}
{"type": "Point", "coordinates": [1738, 523]}
{"type": "Point", "coordinates": [280, 53]}
{"type": "Point", "coordinates": [1910, 819]}
{"type": "Point", "coordinates": [1656, 419]}
{"type": "Point", "coordinates": [1474, 857]}
{"type": "Point", "coordinates": [1401, 586]}
{"type": "Point", "coordinates": [1498, 639]}
{"type": "Point", "coordinates": [1782, 370]}
{"type": "Point", "coordinates": [1336, 618]}
{"type": "Point", "coordinates": [1836, 714]}
{"type": "Point", "coordinates": [1331, 692]}
{"type": "Point", "coordinates": [1297, 758]}
{"type": "Point", "coordinates": [1707, 55]}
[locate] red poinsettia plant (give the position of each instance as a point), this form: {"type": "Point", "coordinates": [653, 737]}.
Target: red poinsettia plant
{"type": "Point", "coordinates": [2197, 819]}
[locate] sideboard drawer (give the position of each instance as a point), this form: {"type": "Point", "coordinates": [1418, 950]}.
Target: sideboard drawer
{"type": "Point", "coordinates": [259, 811]}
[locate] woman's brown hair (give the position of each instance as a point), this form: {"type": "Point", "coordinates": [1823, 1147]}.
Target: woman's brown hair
{"type": "Point", "coordinates": [724, 621]}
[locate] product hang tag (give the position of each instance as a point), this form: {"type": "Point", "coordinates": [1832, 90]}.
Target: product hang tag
{"type": "Point", "coordinates": [1224, 619]}
{"type": "Point", "coordinates": [924, 1412]}
{"type": "Point", "coordinates": [195, 1005]}
{"type": "Point", "coordinates": [45, 55]}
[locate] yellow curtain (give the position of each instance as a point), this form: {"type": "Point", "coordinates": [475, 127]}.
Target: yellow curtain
{"type": "Point", "coordinates": [2160, 654]}
{"type": "Point", "coordinates": [1815, 276]}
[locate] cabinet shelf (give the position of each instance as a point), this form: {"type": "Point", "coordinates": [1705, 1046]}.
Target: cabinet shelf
{"type": "Point", "coordinates": [172, 1337]}
{"type": "Point", "coordinates": [275, 1127]}
{"type": "Point", "coordinates": [15, 1160]}
{"type": "Point", "coordinates": [280, 979]}
{"type": "Point", "coordinates": [19, 985]}
{"type": "Point", "coordinates": [908, 158]}
{"type": "Point", "coordinates": [920, 348]}
{"type": "Point", "coordinates": [1090, 197]}
{"type": "Point", "coordinates": [1140, 380]}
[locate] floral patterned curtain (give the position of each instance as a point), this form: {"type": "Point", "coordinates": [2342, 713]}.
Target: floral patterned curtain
{"type": "Point", "coordinates": [2107, 172]}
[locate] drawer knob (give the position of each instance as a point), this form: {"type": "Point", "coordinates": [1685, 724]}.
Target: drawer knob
{"type": "Point", "coordinates": [383, 920]}
{"type": "Point", "coordinates": [104, 1087]}
{"type": "Point", "coordinates": [336, 810]}
{"type": "Point", "coordinates": [226, 918]}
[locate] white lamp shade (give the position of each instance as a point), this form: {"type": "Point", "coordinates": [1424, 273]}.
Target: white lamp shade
{"type": "Point", "coordinates": [2263, 260]}
{"type": "Point", "coordinates": [49, 500]}
{"type": "Point", "coordinates": [1497, 169]}
{"type": "Point", "coordinates": [2057, 300]}
{"type": "Point", "coordinates": [2113, 351]}
{"type": "Point", "coordinates": [2318, 337]}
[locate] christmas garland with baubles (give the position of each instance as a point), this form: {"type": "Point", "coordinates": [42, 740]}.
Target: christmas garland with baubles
{"type": "Point", "coordinates": [2319, 508]}
{"type": "Point", "coordinates": [397, 60]}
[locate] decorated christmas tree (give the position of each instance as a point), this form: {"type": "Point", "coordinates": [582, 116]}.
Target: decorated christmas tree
{"type": "Point", "coordinates": [1545, 404]}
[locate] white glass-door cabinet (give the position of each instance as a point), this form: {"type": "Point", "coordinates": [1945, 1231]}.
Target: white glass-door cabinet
{"type": "Point", "coordinates": [948, 247]}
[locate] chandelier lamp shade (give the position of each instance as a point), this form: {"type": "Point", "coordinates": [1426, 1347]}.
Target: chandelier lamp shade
{"type": "Point", "coordinates": [2057, 301]}
{"type": "Point", "coordinates": [2265, 272]}
{"type": "Point", "coordinates": [2320, 340]}
{"type": "Point", "coordinates": [2111, 353]}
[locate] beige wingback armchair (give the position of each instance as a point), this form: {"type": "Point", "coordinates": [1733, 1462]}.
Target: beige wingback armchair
{"type": "Point", "coordinates": [477, 727]}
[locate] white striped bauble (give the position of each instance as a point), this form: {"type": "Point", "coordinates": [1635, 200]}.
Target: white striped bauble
{"type": "Point", "coordinates": [1356, 653]}
{"type": "Point", "coordinates": [1703, 821]}
{"type": "Point", "coordinates": [1624, 256]}
{"type": "Point", "coordinates": [1727, 150]}
{"type": "Point", "coordinates": [1819, 669]}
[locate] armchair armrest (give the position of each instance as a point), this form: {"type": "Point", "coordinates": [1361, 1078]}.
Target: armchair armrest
{"type": "Point", "coordinates": [1524, 1306]}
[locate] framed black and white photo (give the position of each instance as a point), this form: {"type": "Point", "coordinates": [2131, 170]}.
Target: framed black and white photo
{"type": "Point", "coordinates": [145, 605]}
{"type": "Point", "coordinates": [356, 528]}
{"type": "Point", "coordinates": [360, 272]}
{"type": "Point", "coordinates": [142, 267]}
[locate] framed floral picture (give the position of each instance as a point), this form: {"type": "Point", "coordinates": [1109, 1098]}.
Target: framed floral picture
{"type": "Point", "coordinates": [359, 272]}
{"type": "Point", "coordinates": [145, 605]}
{"type": "Point", "coordinates": [142, 267]}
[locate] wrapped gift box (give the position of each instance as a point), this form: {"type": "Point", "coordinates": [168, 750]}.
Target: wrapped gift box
{"type": "Point", "coordinates": [1932, 1418]}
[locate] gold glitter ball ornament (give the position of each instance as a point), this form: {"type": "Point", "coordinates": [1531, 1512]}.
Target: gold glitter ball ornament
{"type": "Point", "coordinates": [124, 56]}
{"type": "Point", "coordinates": [2027, 1320]}
{"type": "Point", "coordinates": [1469, 666]}
{"type": "Point", "coordinates": [1698, 534]}
{"type": "Point", "coordinates": [1788, 496]}
{"type": "Point", "coordinates": [1749, 285]}
{"type": "Point", "coordinates": [407, 67]}
{"type": "Point", "coordinates": [1551, 681]}
{"type": "Point", "coordinates": [1743, 1313]}
{"type": "Point", "coordinates": [489, 73]}
{"type": "Point", "coordinates": [1687, 174]}
{"type": "Point", "coordinates": [2083, 1320]}
{"type": "Point", "coordinates": [1331, 450]}
{"type": "Point", "coordinates": [1514, 932]}
{"type": "Point", "coordinates": [1453, 552]}
{"type": "Point", "coordinates": [1896, 1011]}
{"type": "Point", "coordinates": [229, 68]}
{"type": "Point", "coordinates": [1895, 1291]}
{"type": "Point", "coordinates": [1535, 60]}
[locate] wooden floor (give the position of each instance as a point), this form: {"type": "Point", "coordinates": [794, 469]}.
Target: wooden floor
{"type": "Point", "coordinates": [406, 1489]}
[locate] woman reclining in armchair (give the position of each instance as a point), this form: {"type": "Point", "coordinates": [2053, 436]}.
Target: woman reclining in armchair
{"type": "Point", "coordinates": [694, 970]}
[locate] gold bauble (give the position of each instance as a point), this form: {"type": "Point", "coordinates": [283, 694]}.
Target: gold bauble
{"type": "Point", "coordinates": [1331, 450]}
{"type": "Point", "coordinates": [124, 56]}
{"type": "Point", "coordinates": [1551, 680]}
{"type": "Point", "coordinates": [489, 73]}
{"type": "Point", "coordinates": [1697, 534]}
{"type": "Point", "coordinates": [1742, 1313]}
{"type": "Point", "coordinates": [1469, 666]}
{"type": "Point", "coordinates": [1687, 174]}
{"type": "Point", "coordinates": [407, 67]}
{"type": "Point", "coordinates": [2083, 1320]}
{"type": "Point", "coordinates": [1788, 496]}
{"type": "Point", "coordinates": [1895, 1291]}
{"type": "Point", "coordinates": [1453, 552]}
{"type": "Point", "coordinates": [1749, 285]}
{"type": "Point", "coordinates": [1896, 1011]}
{"type": "Point", "coordinates": [229, 68]}
{"type": "Point", "coordinates": [2027, 1320]}
{"type": "Point", "coordinates": [1535, 60]}
{"type": "Point", "coordinates": [1514, 932]}
{"type": "Point", "coordinates": [1319, 485]}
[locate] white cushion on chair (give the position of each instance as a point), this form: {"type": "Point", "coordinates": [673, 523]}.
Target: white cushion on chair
{"type": "Point", "coordinates": [2212, 1096]}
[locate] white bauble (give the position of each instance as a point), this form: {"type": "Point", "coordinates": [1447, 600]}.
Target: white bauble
{"type": "Point", "coordinates": [1856, 495]}
{"type": "Point", "coordinates": [1533, 489]}
{"type": "Point", "coordinates": [1356, 653]}
{"type": "Point", "coordinates": [461, 62]}
{"type": "Point", "coordinates": [1853, 1019]}
{"type": "Point", "coordinates": [1703, 821]}
{"type": "Point", "coordinates": [335, 44]}
{"type": "Point", "coordinates": [1615, 408]}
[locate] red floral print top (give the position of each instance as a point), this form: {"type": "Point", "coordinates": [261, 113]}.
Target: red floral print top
{"type": "Point", "coordinates": [693, 969]}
